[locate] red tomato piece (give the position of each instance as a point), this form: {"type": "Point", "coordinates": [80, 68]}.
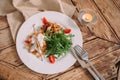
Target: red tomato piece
{"type": "Point", "coordinates": [52, 59]}
{"type": "Point", "coordinates": [44, 20]}
{"type": "Point", "coordinates": [27, 41]}
{"type": "Point", "coordinates": [67, 31]}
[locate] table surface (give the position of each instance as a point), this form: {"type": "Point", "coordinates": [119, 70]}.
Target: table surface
{"type": "Point", "coordinates": [101, 41]}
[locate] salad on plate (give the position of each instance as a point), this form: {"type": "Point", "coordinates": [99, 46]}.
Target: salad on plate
{"type": "Point", "coordinates": [50, 40]}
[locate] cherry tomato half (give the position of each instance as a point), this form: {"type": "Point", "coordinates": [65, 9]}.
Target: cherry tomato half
{"type": "Point", "coordinates": [67, 31]}
{"type": "Point", "coordinates": [52, 59]}
{"type": "Point", "coordinates": [27, 41]}
{"type": "Point", "coordinates": [44, 20]}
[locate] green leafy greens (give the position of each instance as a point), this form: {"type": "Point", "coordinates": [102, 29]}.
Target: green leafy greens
{"type": "Point", "coordinates": [58, 43]}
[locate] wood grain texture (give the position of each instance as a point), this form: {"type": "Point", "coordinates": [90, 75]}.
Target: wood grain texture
{"type": "Point", "coordinates": [97, 41]}
{"type": "Point", "coordinates": [10, 72]}
{"type": "Point", "coordinates": [118, 69]}
{"type": "Point", "coordinates": [10, 56]}
{"type": "Point", "coordinates": [3, 22]}
{"type": "Point", "coordinates": [111, 13]}
{"type": "Point", "coordinates": [101, 29]}
{"type": "Point", "coordinates": [5, 38]}
{"type": "Point", "coordinates": [118, 74]}
{"type": "Point", "coordinates": [117, 3]}
{"type": "Point", "coordinates": [98, 48]}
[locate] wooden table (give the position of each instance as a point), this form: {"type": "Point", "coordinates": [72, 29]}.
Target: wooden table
{"type": "Point", "coordinates": [102, 42]}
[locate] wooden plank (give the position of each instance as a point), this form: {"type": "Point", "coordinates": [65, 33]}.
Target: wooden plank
{"type": "Point", "coordinates": [118, 70]}
{"type": "Point", "coordinates": [117, 3]}
{"type": "Point", "coordinates": [105, 65]}
{"type": "Point", "coordinates": [10, 55]}
{"type": "Point", "coordinates": [111, 13]}
{"type": "Point", "coordinates": [3, 22]}
{"type": "Point", "coordinates": [101, 29]}
{"type": "Point", "coordinates": [98, 47]}
{"type": "Point", "coordinates": [10, 72]}
{"type": "Point", "coordinates": [118, 74]}
{"type": "Point", "coordinates": [5, 38]}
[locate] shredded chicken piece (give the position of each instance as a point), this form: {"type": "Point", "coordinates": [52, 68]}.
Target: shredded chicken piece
{"type": "Point", "coordinates": [37, 49]}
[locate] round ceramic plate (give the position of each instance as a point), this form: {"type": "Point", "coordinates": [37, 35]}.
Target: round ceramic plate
{"type": "Point", "coordinates": [44, 66]}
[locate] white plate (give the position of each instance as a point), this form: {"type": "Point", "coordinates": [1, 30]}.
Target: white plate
{"type": "Point", "coordinates": [36, 64]}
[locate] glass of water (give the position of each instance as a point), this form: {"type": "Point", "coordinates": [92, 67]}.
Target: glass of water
{"type": "Point", "coordinates": [87, 17]}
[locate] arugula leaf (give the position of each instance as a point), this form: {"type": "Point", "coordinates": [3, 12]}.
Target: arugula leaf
{"type": "Point", "coordinates": [58, 43]}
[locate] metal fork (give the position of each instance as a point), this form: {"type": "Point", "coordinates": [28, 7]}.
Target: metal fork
{"type": "Point", "coordinates": [83, 64]}
{"type": "Point", "coordinates": [84, 55]}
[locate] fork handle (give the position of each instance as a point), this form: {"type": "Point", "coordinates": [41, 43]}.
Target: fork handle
{"type": "Point", "coordinates": [84, 65]}
{"type": "Point", "coordinates": [96, 71]}
{"type": "Point", "coordinates": [93, 73]}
